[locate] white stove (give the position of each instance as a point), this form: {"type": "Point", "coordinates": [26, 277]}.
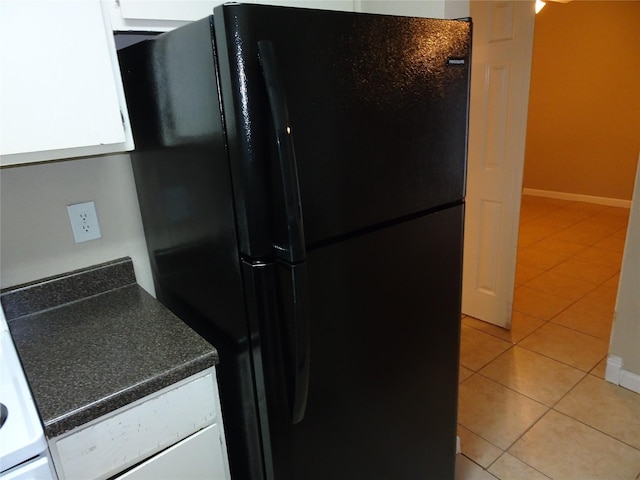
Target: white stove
{"type": "Point", "coordinates": [23, 448]}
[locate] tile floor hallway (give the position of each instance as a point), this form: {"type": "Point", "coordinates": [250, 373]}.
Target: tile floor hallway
{"type": "Point", "coordinates": [533, 402]}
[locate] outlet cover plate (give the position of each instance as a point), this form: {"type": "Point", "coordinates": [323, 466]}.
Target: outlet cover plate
{"type": "Point", "coordinates": [84, 221]}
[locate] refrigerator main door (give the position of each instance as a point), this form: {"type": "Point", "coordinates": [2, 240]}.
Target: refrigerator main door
{"type": "Point", "coordinates": [377, 112]}
{"type": "Point", "coordinates": [384, 326]}
{"type": "Point", "coordinates": [385, 319]}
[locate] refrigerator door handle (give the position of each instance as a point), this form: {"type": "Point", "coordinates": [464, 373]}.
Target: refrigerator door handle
{"type": "Point", "coordinates": [302, 342]}
{"type": "Point", "coordinates": [294, 252]}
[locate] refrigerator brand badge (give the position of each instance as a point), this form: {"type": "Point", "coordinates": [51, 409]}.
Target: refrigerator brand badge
{"type": "Point", "coordinates": [456, 61]}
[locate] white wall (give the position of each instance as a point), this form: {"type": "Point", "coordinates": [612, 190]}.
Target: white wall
{"type": "Point", "coordinates": [416, 8]}
{"type": "Point", "coordinates": [35, 234]}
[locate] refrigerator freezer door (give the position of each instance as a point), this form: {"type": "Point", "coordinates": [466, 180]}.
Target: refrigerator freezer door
{"type": "Point", "coordinates": [377, 105]}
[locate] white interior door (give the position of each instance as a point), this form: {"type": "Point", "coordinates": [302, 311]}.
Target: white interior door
{"type": "Point", "coordinates": [501, 67]}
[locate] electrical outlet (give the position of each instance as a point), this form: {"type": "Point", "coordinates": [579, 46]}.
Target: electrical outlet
{"type": "Point", "coordinates": [84, 221]}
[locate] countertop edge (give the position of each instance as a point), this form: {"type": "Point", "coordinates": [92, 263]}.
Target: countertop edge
{"type": "Point", "coordinates": [104, 406]}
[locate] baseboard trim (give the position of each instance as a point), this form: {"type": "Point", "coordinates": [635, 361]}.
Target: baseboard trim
{"type": "Point", "coordinates": [577, 197]}
{"type": "Point", "coordinates": [619, 376]}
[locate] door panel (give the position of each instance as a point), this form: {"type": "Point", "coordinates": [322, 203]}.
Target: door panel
{"type": "Point", "coordinates": [487, 276]}
{"type": "Point", "coordinates": [385, 325]}
{"type": "Point", "coordinates": [497, 128]}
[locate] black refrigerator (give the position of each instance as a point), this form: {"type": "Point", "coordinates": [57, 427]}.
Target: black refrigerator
{"type": "Point", "coordinates": [301, 180]}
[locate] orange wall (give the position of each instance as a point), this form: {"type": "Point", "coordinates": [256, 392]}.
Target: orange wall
{"type": "Point", "coordinates": [583, 133]}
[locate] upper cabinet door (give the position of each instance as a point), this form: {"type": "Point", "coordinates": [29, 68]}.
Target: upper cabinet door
{"type": "Point", "coordinates": [164, 15]}
{"type": "Point", "coordinates": [157, 15]}
{"type": "Point", "coordinates": [61, 92]}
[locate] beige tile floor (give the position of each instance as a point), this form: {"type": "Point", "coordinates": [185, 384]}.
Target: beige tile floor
{"type": "Point", "coordinates": [533, 402]}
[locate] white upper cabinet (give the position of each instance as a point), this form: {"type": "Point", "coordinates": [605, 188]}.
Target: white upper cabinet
{"type": "Point", "coordinates": [163, 15]}
{"type": "Point", "coordinates": [60, 89]}
{"type": "Point", "coordinates": [157, 15]}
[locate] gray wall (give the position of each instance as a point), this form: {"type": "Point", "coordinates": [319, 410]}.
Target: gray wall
{"type": "Point", "coordinates": [35, 234]}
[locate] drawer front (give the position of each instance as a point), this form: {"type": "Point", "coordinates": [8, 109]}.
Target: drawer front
{"type": "Point", "coordinates": [132, 434]}
{"type": "Point", "coordinates": [194, 458]}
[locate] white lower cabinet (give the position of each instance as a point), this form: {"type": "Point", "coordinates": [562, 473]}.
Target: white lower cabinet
{"type": "Point", "coordinates": [174, 433]}
{"type": "Point", "coordinates": [193, 458]}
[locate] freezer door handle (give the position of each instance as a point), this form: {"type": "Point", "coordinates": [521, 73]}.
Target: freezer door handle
{"type": "Point", "coordinates": [302, 342]}
{"type": "Point", "coordinates": [294, 251]}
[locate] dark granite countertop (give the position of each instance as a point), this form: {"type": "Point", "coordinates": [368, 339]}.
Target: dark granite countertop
{"type": "Point", "coordinates": [113, 345]}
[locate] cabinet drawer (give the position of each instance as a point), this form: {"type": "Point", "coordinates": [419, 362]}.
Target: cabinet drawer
{"type": "Point", "coordinates": [197, 457]}
{"type": "Point", "coordinates": [133, 433]}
